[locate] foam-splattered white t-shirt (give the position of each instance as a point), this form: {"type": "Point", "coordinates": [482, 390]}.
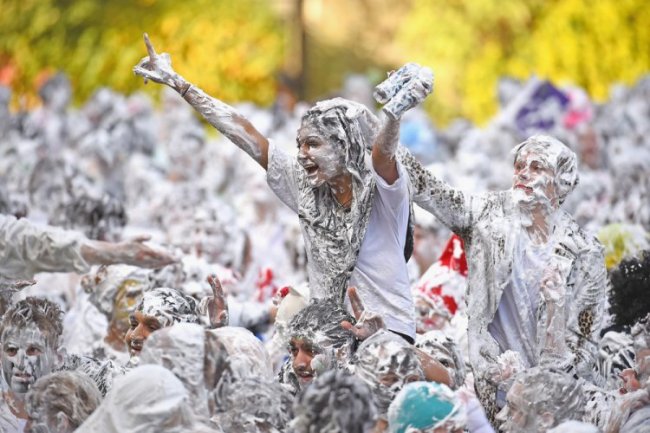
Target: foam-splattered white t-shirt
{"type": "Point", "coordinates": [380, 274]}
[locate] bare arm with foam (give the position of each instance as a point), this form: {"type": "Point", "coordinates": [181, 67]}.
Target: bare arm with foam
{"type": "Point", "coordinates": [383, 151]}
{"type": "Point", "coordinates": [158, 68]}
{"type": "Point", "coordinates": [403, 90]}
{"type": "Point", "coordinates": [133, 252]}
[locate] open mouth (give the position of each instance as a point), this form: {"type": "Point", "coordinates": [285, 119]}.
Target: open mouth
{"type": "Point", "coordinates": [311, 169]}
{"type": "Point", "coordinates": [22, 377]}
{"type": "Point", "coordinates": [524, 187]}
{"type": "Point", "coordinates": [135, 349]}
{"type": "Point", "coordinates": [304, 377]}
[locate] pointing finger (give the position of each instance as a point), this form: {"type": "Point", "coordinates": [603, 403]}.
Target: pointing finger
{"type": "Point", "coordinates": [150, 49]}
{"type": "Point", "coordinates": [355, 302]}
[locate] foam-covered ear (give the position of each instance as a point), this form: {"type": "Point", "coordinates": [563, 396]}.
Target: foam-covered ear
{"type": "Point", "coordinates": [547, 419]}
{"type": "Point", "coordinates": [60, 356]}
{"type": "Point", "coordinates": [62, 423]}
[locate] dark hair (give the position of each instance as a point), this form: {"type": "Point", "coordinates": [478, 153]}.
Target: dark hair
{"type": "Point", "coordinates": [46, 315]}
{"type": "Point", "coordinates": [629, 296]}
{"type": "Point", "coordinates": [324, 317]}
{"type": "Point", "coordinates": [335, 399]}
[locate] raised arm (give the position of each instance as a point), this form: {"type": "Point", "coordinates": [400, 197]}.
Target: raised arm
{"type": "Point", "coordinates": [403, 90]}
{"type": "Point", "coordinates": [158, 68]}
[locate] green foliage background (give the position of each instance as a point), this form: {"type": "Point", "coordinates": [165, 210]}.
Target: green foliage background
{"type": "Point", "coordinates": [229, 48]}
{"type": "Point", "coordinates": [234, 49]}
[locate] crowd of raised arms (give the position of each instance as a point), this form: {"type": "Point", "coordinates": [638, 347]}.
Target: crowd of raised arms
{"type": "Point", "coordinates": [342, 267]}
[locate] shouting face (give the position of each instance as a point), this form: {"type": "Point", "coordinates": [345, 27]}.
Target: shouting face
{"type": "Point", "coordinates": [323, 160]}
{"type": "Point", "coordinates": [26, 356]}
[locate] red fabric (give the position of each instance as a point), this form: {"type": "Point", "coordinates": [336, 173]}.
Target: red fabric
{"type": "Point", "coordinates": [458, 264]}
{"type": "Point", "coordinates": [453, 260]}
{"type": "Point", "coordinates": [265, 284]}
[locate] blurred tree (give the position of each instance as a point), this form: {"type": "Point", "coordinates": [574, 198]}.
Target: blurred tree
{"type": "Point", "coordinates": [471, 44]}
{"type": "Point", "coordinates": [231, 49]}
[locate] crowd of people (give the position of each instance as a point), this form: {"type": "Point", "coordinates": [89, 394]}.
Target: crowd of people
{"type": "Point", "coordinates": [387, 276]}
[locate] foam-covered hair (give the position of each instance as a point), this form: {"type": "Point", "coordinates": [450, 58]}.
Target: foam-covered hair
{"type": "Point", "coordinates": [335, 402]}
{"type": "Point", "coordinates": [349, 125]}
{"type": "Point", "coordinates": [252, 405]}
{"type": "Point", "coordinates": [556, 392]}
{"type": "Point", "coordinates": [444, 350]}
{"type": "Point", "coordinates": [169, 306]}
{"type": "Point", "coordinates": [68, 392]}
{"type": "Point", "coordinates": [46, 315]}
{"type": "Point", "coordinates": [320, 323]}
{"type": "Point", "coordinates": [563, 161]}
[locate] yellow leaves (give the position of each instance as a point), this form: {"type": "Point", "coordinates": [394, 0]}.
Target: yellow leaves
{"type": "Point", "coordinates": [231, 49]}
{"type": "Point", "coordinates": [471, 44]}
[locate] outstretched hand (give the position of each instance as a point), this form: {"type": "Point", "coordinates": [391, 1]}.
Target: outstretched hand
{"type": "Point", "coordinates": [18, 285]}
{"type": "Point", "coordinates": [217, 305]}
{"type": "Point", "coordinates": [367, 322]}
{"type": "Point", "coordinates": [136, 253]}
{"type": "Point", "coordinates": [404, 89]}
{"type": "Point", "coordinates": [156, 67]}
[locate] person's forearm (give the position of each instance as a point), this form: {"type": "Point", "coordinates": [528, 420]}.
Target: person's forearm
{"type": "Point", "coordinates": [384, 148]}
{"type": "Point", "coordinates": [433, 370]}
{"type": "Point", "coordinates": [226, 120]}
{"type": "Point", "coordinates": [100, 253]}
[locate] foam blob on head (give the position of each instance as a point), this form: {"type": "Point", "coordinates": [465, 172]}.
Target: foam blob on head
{"type": "Point", "coordinates": [60, 402]}
{"type": "Point", "coordinates": [539, 399]}
{"type": "Point", "coordinates": [575, 427]}
{"type": "Point", "coordinates": [181, 349]}
{"type": "Point", "coordinates": [336, 402]}
{"type": "Point", "coordinates": [168, 306]}
{"type": "Point", "coordinates": [386, 362]}
{"type": "Point", "coordinates": [245, 353]}
{"type": "Point", "coordinates": [148, 398]}
{"type": "Point", "coordinates": [252, 405]}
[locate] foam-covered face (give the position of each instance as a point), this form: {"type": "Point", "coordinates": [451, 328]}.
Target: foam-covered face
{"type": "Point", "coordinates": [141, 326]}
{"type": "Point", "coordinates": [302, 353]}
{"type": "Point", "coordinates": [533, 181]}
{"type": "Point", "coordinates": [26, 356]}
{"type": "Point", "coordinates": [514, 417]}
{"type": "Point", "coordinates": [386, 363]}
{"type": "Point", "coordinates": [323, 160]}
